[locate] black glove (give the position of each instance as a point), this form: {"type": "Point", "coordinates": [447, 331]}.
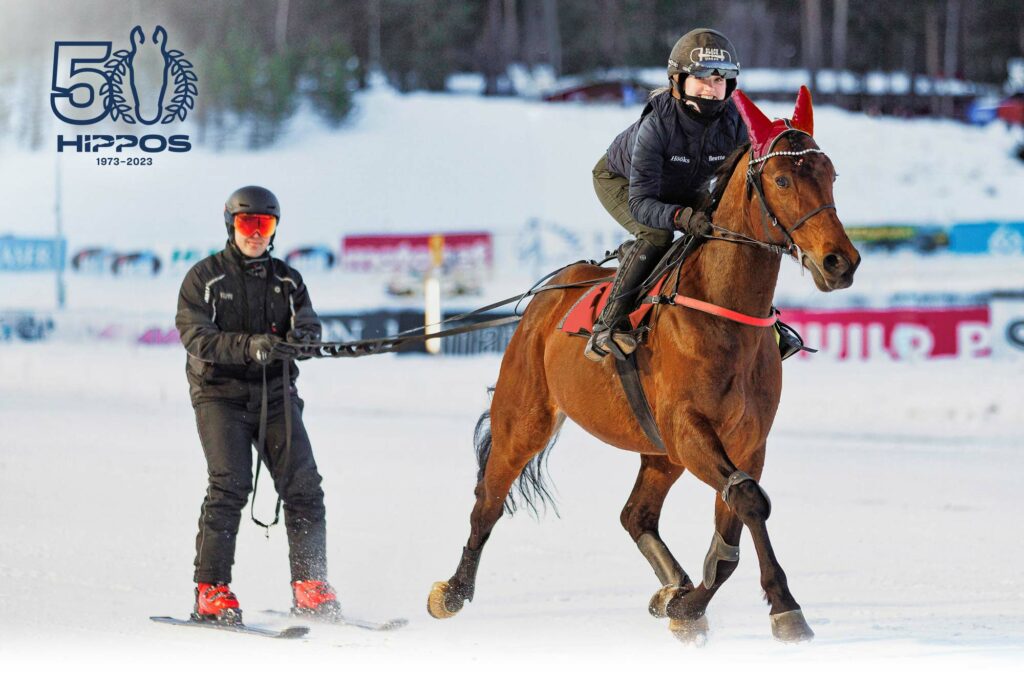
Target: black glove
{"type": "Point", "coordinates": [302, 336]}
{"type": "Point", "coordinates": [306, 338]}
{"type": "Point", "coordinates": [694, 223]}
{"type": "Point", "coordinates": [266, 348]}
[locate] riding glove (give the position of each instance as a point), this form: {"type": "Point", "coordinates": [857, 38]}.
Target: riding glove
{"type": "Point", "coordinates": [692, 222]}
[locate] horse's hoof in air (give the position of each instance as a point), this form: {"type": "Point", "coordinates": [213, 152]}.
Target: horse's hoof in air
{"type": "Point", "coordinates": [690, 631]}
{"type": "Point", "coordinates": [658, 607]}
{"type": "Point", "coordinates": [438, 604]}
{"type": "Point", "coordinates": [791, 627]}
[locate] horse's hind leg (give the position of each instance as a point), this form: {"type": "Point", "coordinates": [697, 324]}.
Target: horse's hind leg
{"type": "Point", "coordinates": [519, 431]}
{"type": "Point", "coordinates": [640, 517]}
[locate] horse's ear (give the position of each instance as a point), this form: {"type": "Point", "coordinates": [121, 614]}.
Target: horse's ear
{"type": "Point", "coordinates": [803, 114]}
{"type": "Point", "coordinates": [759, 127]}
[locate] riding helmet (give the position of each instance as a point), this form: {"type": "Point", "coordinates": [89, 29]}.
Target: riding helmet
{"type": "Point", "coordinates": [704, 52]}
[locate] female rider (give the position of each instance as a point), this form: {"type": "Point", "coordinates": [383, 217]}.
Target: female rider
{"type": "Point", "coordinates": [650, 177]}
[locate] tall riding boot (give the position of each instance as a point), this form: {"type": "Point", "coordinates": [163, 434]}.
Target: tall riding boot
{"type": "Point", "coordinates": [636, 265]}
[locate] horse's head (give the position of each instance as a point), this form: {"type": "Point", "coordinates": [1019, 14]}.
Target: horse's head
{"type": "Point", "coordinates": [789, 181]}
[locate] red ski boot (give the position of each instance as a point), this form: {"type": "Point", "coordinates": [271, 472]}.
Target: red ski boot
{"type": "Point", "coordinates": [314, 598]}
{"type": "Point", "coordinates": [216, 603]}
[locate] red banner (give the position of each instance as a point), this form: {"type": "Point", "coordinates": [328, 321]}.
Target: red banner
{"type": "Point", "coordinates": [895, 334]}
{"type": "Point", "coordinates": [411, 252]}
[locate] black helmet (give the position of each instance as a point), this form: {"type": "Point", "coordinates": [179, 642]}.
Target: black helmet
{"type": "Point", "coordinates": [704, 52]}
{"type": "Point", "coordinates": [250, 200]}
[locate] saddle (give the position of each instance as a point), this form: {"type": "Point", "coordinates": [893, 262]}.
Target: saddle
{"type": "Point", "coordinates": [579, 320]}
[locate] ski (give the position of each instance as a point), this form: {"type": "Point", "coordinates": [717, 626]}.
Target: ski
{"type": "Point", "coordinates": [342, 620]}
{"type": "Point", "coordinates": [290, 632]}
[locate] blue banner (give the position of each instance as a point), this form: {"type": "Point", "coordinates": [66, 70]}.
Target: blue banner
{"type": "Point", "coordinates": [31, 254]}
{"type": "Point", "coordinates": [987, 237]}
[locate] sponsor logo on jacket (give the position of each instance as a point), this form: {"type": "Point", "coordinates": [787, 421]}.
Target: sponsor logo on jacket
{"type": "Point", "coordinates": [227, 295]}
{"type": "Point", "coordinates": [716, 158]}
{"type": "Point", "coordinates": [679, 158]}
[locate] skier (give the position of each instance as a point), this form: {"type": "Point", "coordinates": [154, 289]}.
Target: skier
{"type": "Point", "coordinates": [650, 177]}
{"type": "Point", "coordinates": [234, 309]}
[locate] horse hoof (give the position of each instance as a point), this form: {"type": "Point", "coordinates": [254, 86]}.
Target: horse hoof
{"type": "Point", "coordinates": [791, 627]}
{"type": "Point", "coordinates": [658, 607]}
{"type": "Point", "coordinates": [438, 604]}
{"type": "Point", "coordinates": [690, 631]}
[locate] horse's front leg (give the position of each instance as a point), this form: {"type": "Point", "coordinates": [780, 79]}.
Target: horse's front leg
{"type": "Point", "coordinates": [687, 609]}
{"type": "Point", "coordinates": [741, 496]}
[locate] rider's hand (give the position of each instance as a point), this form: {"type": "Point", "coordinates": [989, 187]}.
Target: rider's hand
{"type": "Point", "coordinates": [689, 221]}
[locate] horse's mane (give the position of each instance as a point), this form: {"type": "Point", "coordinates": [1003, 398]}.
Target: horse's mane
{"type": "Point", "coordinates": [713, 189]}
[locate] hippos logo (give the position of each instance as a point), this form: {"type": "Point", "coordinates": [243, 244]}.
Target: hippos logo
{"type": "Point", "coordinates": [147, 84]}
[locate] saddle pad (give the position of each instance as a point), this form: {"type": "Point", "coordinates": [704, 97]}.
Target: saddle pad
{"type": "Point", "coordinates": [581, 317]}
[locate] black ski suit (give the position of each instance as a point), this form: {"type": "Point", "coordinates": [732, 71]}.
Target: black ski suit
{"type": "Point", "coordinates": [224, 300]}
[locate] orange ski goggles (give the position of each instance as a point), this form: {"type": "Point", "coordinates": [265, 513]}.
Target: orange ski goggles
{"type": "Point", "coordinates": [251, 224]}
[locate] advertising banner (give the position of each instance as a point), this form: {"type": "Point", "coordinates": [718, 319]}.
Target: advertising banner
{"type": "Point", "coordinates": [31, 254]}
{"type": "Point", "coordinates": [1007, 325]}
{"type": "Point", "coordinates": [987, 237]}
{"type": "Point", "coordinates": [411, 252]}
{"type": "Point", "coordinates": [894, 334]}
{"type": "Point", "coordinates": [25, 326]}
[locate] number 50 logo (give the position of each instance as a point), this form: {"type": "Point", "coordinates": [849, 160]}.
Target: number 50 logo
{"type": "Point", "coordinates": [90, 82]}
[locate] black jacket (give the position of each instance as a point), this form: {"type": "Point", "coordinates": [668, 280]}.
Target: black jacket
{"type": "Point", "coordinates": [668, 154]}
{"type": "Point", "coordinates": [225, 299]}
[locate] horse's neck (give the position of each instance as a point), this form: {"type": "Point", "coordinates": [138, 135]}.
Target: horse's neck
{"type": "Point", "coordinates": [738, 277]}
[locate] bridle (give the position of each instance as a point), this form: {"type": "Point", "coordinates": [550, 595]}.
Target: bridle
{"type": "Point", "coordinates": [755, 168]}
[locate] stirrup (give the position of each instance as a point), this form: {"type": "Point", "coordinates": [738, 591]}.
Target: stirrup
{"type": "Point", "coordinates": [616, 342]}
{"type": "Point", "coordinates": [626, 342]}
{"type": "Point", "coordinates": [592, 351]}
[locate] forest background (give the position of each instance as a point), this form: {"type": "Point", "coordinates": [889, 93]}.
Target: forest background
{"type": "Point", "coordinates": [260, 61]}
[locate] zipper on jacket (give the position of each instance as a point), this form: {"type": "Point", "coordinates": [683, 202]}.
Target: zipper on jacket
{"type": "Point", "coordinates": [700, 155]}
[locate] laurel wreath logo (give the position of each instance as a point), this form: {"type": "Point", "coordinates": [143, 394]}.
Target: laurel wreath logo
{"type": "Point", "coordinates": [118, 71]}
{"type": "Point", "coordinates": [118, 67]}
{"type": "Point", "coordinates": [185, 87]}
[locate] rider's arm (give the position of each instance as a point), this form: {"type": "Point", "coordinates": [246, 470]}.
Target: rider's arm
{"type": "Point", "coordinates": [646, 176]}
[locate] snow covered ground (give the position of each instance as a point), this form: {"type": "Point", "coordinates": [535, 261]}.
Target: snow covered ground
{"type": "Point", "coordinates": [895, 486]}
{"type": "Point", "coordinates": [896, 504]}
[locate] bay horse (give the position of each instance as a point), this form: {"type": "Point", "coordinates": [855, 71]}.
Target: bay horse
{"type": "Point", "coordinates": [713, 384]}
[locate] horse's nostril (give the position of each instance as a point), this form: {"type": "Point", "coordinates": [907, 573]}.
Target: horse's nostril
{"type": "Point", "coordinates": [835, 264]}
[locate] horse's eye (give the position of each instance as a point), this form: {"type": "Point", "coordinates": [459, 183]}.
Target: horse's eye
{"type": "Point", "coordinates": [781, 182]}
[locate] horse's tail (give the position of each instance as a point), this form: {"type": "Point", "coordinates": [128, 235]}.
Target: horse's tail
{"type": "Point", "coordinates": [531, 489]}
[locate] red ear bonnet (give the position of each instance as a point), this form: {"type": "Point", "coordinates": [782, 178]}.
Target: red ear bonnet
{"type": "Point", "coordinates": [803, 115]}
{"type": "Point", "coordinates": [763, 131]}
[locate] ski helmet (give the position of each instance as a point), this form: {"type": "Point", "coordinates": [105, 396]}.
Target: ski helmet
{"type": "Point", "coordinates": [704, 52]}
{"type": "Point", "coordinates": [250, 200]}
